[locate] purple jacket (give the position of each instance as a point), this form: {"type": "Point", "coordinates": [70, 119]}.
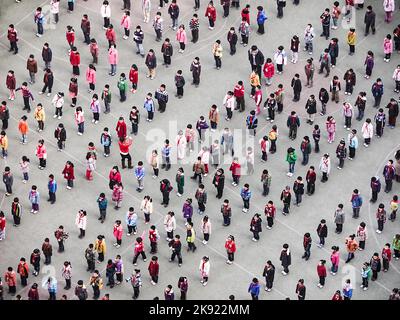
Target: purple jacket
{"type": "Point", "coordinates": [118, 266]}
{"type": "Point", "coordinates": [187, 210]}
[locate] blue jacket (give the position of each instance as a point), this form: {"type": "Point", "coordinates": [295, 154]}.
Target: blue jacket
{"type": "Point", "coordinates": [139, 173]}
{"type": "Point", "coordinates": [377, 90]}
{"type": "Point", "coordinates": [165, 151]}
{"type": "Point", "coordinates": [102, 203]}
{"type": "Point", "coordinates": [261, 17]}
{"type": "Point", "coordinates": [356, 202]}
{"type": "Point", "coordinates": [131, 219]}
{"type": "Point", "coordinates": [105, 140]}
{"type": "Point", "coordinates": [245, 194]}
{"type": "Point", "coordinates": [348, 292]}
{"type": "Point", "coordinates": [149, 105]}
{"type": "Point", "coordinates": [52, 186]}
{"type": "Point", "coordinates": [34, 197]}
{"type": "Point", "coordinates": [254, 289]}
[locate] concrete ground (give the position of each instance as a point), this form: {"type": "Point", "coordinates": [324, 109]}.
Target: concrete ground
{"type": "Point", "coordinates": [250, 257]}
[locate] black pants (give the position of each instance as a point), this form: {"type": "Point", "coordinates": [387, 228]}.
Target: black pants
{"type": "Point", "coordinates": [352, 152]}
{"type": "Point", "coordinates": [127, 4]}
{"type": "Point", "coordinates": [91, 265]}
{"type": "Point", "coordinates": [380, 225]}
{"type": "Point", "coordinates": [86, 35]}
{"type": "Point", "coordinates": [153, 246]}
{"type": "Point", "coordinates": [310, 187]}
{"type": "Point", "coordinates": [211, 22]}
{"type": "Point", "coordinates": [158, 34]}
{"type": "Point", "coordinates": [52, 197]}
{"type": "Point", "coordinates": [389, 184]}
{"type": "Point", "coordinates": [339, 227]}
{"type": "Point", "coordinates": [67, 284]}
{"type": "Point", "coordinates": [137, 255]}
{"type": "Point", "coordinates": [352, 48]}
{"type": "Point", "coordinates": [14, 47]}
{"type": "Point", "coordinates": [374, 196]}
{"type": "Point", "coordinates": [42, 162]}
{"type": "Point", "coordinates": [261, 28]}
{"type": "Point", "coordinates": [231, 256]}
{"type": "Point", "coordinates": [195, 35]}
{"type": "Point", "coordinates": [226, 11]}
{"type": "Point", "coordinates": [293, 132]}
{"type": "Point", "coordinates": [176, 254]}
{"type": "Point", "coordinates": [324, 176]}
{"type": "Point", "coordinates": [245, 39]}
{"type": "Point", "coordinates": [280, 12]}
{"type": "Point", "coordinates": [268, 283]}
{"type": "Point", "coordinates": [272, 147]}
{"type": "Point", "coordinates": [165, 198]}
{"type": "Point", "coordinates": [179, 91]}
{"type": "Point", "coordinates": [46, 86]}
{"type": "Point", "coordinates": [167, 59]}
{"type": "Point", "coordinates": [131, 229]}
{"type": "Point", "coordinates": [162, 105]}
{"type": "Point", "coordinates": [106, 22]}
{"type": "Point", "coordinates": [202, 207]}
{"type": "Point", "coordinates": [370, 25]}
{"type": "Point", "coordinates": [325, 31]}
{"type": "Point", "coordinates": [26, 104]}
{"type": "Point", "coordinates": [17, 220]}
{"type": "Point", "coordinates": [232, 47]}
{"type": "Point", "coordinates": [240, 103]}
{"type": "Point", "coordinates": [220, 192]}
{"type": "Point", "coordinates": [4, 124]}
{"type": "Point", "coordinates": [322, 281]}
{"type": "Point", "coordinates": [218, 62]}
{"type": "Point", "coordinates": [126, 156]}
{"type": "Point", "coordinates": [61, 246]}
{"type": "Point", "coordinates": [270, 221]}
{"type": "Point", "coordinates": [356, 212]}
{"type": "Point", "coordinates": [196, 78]}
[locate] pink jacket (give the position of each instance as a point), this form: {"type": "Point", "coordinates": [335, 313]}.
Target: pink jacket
{"type": "Point", "coordinates": [126, 22]}
{"type": "Point", "coordinates": [388, 5]}
{"type": "Point", "coordinates": [335, 258]}
{"type": "Point", "coordinates": [181, 36]}
{"type": "Point", "coordinates": [387, 46]}
{"type": "Point", "coordinates": [41, 152]}
{"type": "Point", "coordinates": [118, 232]}
{"type": "Point", "coordinates": [90, 76]}
{"type": "Point", "coordinates": [79, 118]}
{"type": "Point", "coordinates": [113, 56]}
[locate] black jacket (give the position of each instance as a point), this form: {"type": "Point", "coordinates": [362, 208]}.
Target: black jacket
{"type": "Point", "coordinates": [322, 231]}
{"type": "Point", "coordinates": [221, 181]}
{"type": "Point", "coordinates": [151, 61]}
{"type": "Point", "coordinates": [269, 274]}
{"type": "Point", "coordinates": [232, 38]}
{"type": "Point", "coordinates": [256, 226]}
{"type": "Point", "coordinates": [296, 85]}
{"type": "Point", "coordinates": [311, 106]}
{"type": "Point", "coordinates": [369, 17]}
{"type": "Point", "coordinates": [167, 50]}
{"type": "Point", "coordinates": [47, 55]}
{"type": "Point", "coordinates": [285, 258]}
{"type": "Point", "coordinates": [324, 96]}
{"type": "Point", "coordinates": [259, 58]}
{"type": "Point", "coordinates": [60, 134]}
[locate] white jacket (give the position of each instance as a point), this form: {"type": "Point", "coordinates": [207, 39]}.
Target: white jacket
{"type": "Point", "coordinates": [81, 221]}
{"type": "Point", "coordinates": [280, 57]}
{"type": "Point", "coordinates": [146, 206]}
{"type": "Point", "coordinates": [57, 101]}
{"type": "Point", "coordinates": [205, 156]}
{"type": "Point", "coordinates": [105, 11]}
{"type": "Point", "coordinates": [54, 6]}
{"type": "Point", "coordinates": [204, 270]}
{"type": "Point", "coordinates": [169, 223]}
{"type": "Point", "coordinates": [229, 102]}
{"type": "Point", "coordinates": [367, 130]}
{"type": "Point", "coordinates": [388, 5]}
{"type": "Point", "coordinates": [325, 165]}
{"type": "Point", "coordinates": [396, 74]}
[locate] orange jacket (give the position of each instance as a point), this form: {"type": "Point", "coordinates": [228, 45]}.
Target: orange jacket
{"type": "Point", "coordinates": [23, 127]}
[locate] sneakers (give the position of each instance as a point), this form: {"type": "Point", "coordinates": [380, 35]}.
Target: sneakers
{"type": "Point", "coordinates": [284, 273]}
{"type": "Point", "coordinates": [244, 210]}
{"type": "Point", "coordinates": [378, 231]}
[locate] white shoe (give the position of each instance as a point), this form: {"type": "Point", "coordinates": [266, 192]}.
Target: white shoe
{"type": "Point", "coordinates": [254, 239]}
{"type": "Point", "coordinates": [93, 120]}
{"type": "Point", "coordinates": [55, 116]}
{"type": "Point", "coordinates": [365, 288]}
{"type": "Point", "coordinates": [117, 246]}
{"type": "Point", "coordinates": [204, 242]}
{"type": "Point", "coordinates": [204, 283]}
{"type": "Point", "coordinates": [152, 282]}
{"type": "Point", "coordinates": [378, 231]}
{"type": "Point", "coordinates": [205, 175]}
{"type": "Point", "coordinates": [179, 195]}
{"type": "Point", "coordinates": [79, 133]}
{"type": "Point", "coordinates": [59, 117]}
{"type": "Point", "coordinates": [96, 122]}
{"type": "Point", "coordinates": [284, 273]}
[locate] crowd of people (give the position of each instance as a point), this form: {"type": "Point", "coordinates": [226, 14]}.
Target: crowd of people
{"type": "Point", "coordinates": [263, 105]}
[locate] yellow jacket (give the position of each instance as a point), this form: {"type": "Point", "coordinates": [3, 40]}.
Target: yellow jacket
{"type": "Point", "coordinates": [100, 247]}
{"type": "Point", "coordinates": [4, 142]}
{"type": "Point", "coordinates": [254, 79]}
{"type": "Point", "coordinates": [39, 114]}
{"type": "Point", "coordinates": [351, 38]}
{"type": "Point", "coordinates": [217, 50]}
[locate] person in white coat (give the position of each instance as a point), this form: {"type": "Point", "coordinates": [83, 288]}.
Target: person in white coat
{"type": "Point", "coordinates": [229, 104]}
{"type": "Point", "coordinates": [204, 268]}
{"type": "Point", "coordinates": [280, 59]}
{"type": "Point", "coordinates": [367, 131]}
{"type": "Point", "coordinates": [147, 208]}
{"type": "Point", "coordinates": [80, 222]}
{"type": "Point", "coordinates": [105, 11]}
{"type": "Point", "coordinates": [309, 36]}
{"type": "Point", "coordinates": [146, 8]}
{"type": "Point", "coordinates": [170, 225]}
{"type": "Point", "coordinates": [180, 142]}
{"type": "Point", "coordinates": [388, 6]}
{"type": "Point", "coordinates": [55, 9]}
{"type": "Point", "coordinates": [58, 103]}
{"type": "Point", "coordinates": [205, 158]}
{"type": "Point", "coordinates": [325, 167]}
{"type": "Point", "coordinates": [396, 78]}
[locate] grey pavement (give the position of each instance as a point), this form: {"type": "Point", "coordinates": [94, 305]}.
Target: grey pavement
{"type": "Point", "coordinates": [251, 257]}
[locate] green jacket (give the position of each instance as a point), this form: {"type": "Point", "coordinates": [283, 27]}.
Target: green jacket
{"type": "Point", "coordinates": [122, 85]}
{"type": "Point", "coordinates": [180, 180]}
{"type": "Point", "coordinates": [291, 157]}
{"type": "Point", "coordinates": [396, 244]}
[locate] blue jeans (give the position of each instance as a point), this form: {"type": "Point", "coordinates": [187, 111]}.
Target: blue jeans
{"type": "Point", "coordinates": [113, 68]}
{"type": "Point", "coordinates": [334, 268]}
{"type": "Point", "coordinates": [40, 28]}
{"type": "Point", "coordinates": [291, 167]}
{"type": "Point", "coordinates": [81, 127]}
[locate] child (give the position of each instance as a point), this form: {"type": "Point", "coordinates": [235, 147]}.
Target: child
{"type": "Point", "coordinates": [34, 198]}
{"type": "Point", "coordinates": [23, 129]}
{"type": "Point", "coordinates": [24, 165]}
{"type": "Point", "coordinates": [131, 221]}
{"type": "Point", "coordinates": [321, 270]}
{"type": "Point", "coordinates": [133, 77]}
{"type": "Point", "coordinates": [91, 77]}
{"type": "Point", "coordinates": [90, 166]}
{"type": "Point", "coordinates": [147, 207]}
{"type": "Point", "coordinates": [123, 87]}
{"type": "Point", "coordinates": [369, 64]}
{"type": "Point", "coordinates": [4, 144]}
{"type": "Point", "coordinates": [331, 128]}
{"type": "Point", "coordinates": [102, 203]}
{"type": "Point", "coordinates": [41, 153]}
{"type": "Point", "coordinates": [154, 270]}
{"type": "Point", "coordinates": [39, 20]}
{"type": "Point", "coordinates": [134, 117]}
{"type": "Point", "coordinates": [366, 274]}
{"type": "Point", "coordinates": [139, 174]}
{"type": "Point", "coordinates": [190, 134]}
{"type": "Point", "coordinates": [11, 84]}
{"type": "Point", "coordinates": [61, 135]}
{"type": "Point", "coordinates": [165, 155]}
{"type": "Point", "coordinates": [351, 41]}
{"type": "Point", "coordinates": [201, 197]}
{"type": "Point", "coordinates": [80, 120]}
{"type": "Point", "coordinates": [190, 237]}
{"type": "Point", "coordinates": [73, 91]}
{"type": "Point", "coordinates": [94, 50]}
{"type": "Point", "coordinates": [105, 140]}
{"type": "Point", "coordinates": [52, 187]}
{"type": "Point", "coordinates": [394, 205]}
{"type": "Point", "coordinates": [294, 48]}
{"type": "Point", "coordinates": [154, 162]}
{"type": "Point", "coordinates": [126, 24]}
{"type": "Point", "coordinates": [8, 180]}
{"type": "Point", "coordinates": [386, 257]}
{"type": "Point", "coordinates": [264, 147]}
{"type": "Point", "coordinates": [58, 103]}
{"type": "Point", "coordinates": [179, 83]}
{"type": "Point", "coordinates": [149, 106]}
{"type": "Point", "coordinates": [68, 173]}
{"type": "Point", "coordinates": [117, 195]}
{"type": "Point", "coordinates": [235, 168]}
{"type": "Point", "coordinates": [245, 193]}
{"type": "Point", "coordinates": [387, 47]}
{"type": "Point", "coordinates": [180, 181]}
{"type": "Point", "coordinates": [211, 14]}
{"type": "Point", "coordinates": [117, 232]}
{"type": "Point", "coordinates": [266, 181]}
{"type": "Point", "coordinates": [95, 108]}
{"type": "Point", "coordinates": [70, 35]}
{"type": "Point", "coordinates": [380, 121]}
{"type": "Point", "coordinates": [181, 37]}
{"type": "Point", "coordinates": [348, 115]}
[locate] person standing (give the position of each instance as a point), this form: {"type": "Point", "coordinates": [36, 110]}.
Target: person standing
{"type": "Point", "coordinates": [389, 175]}
{"type": "Point", "coordinates": [151, 64]}
{"type": "Point", "coordinates": [194, 27]}
{"type": "Point", "coordinates": [380, 217]}
{"type": "Point", "coordinates": [269, 274]}
{"type": "Point", "coordinates": [254, 289]}
{"type": "Point", "coordinates": [350, 79]}
{"type": "Point", "coordinates": [138, 37]}
{"type": "Point", "coordinates": [321, 271]}
{"type": "Point", "coordinates": [325, 167]}
{"type": "Point", "coordinates": [85, 26]}
{"type": "Point", "coordinates": [335, 258]}
{"type": "Point", "coordinates": [8, 180]}
{"type": "Point", "coordinates": [311, 177]}
{"type": "Point", "coordinates": [217, 53]}
{"type": "Point", "coordinates": [367, 130]}
{"type": "Point", "coordinates": [10, 277]}
{"type": "Point", "coordinates": [298, 189]}
{"type": "Point", "coordinates": [66, 273]}
{"type": "Point", "coordinates": [296, 85]}
{"type": "Point", "coordinates": [351, 246]}
{"type": "Point", "coordinates": [307, 246]}
{"type": "Point", "coordinates": [291, 159]}
{"type": "Point", "coordinates": [286, 197]}
{"type": "Point", "coordinates": [230, 247]}
{"type": "Point", "coordinates": [356, 203]}
{"type": "Point", "coordinates": [204, 268]}
{"type": "Point", "coordinates": [369, 20]}
{"type": "Point", "coordinates": [161, 95]}
{"type": "Point", "coordinates": [341, 153]}
{"type": "Point", "coordinates": [183, 286]}
{"type": "Point", "coordinates": [195, 68]}
{"type": "Point", "coordinates": [322, 232]}
{"type": "Point", "coordinates": [293, 122]}
{"type": "Point", "coordinates": [280, 5]}
{"type": "Point", "coordinates": [339, 218]}
{"type": "Point", "coordinates": [286, 259]}
{"type": "Point", "coordinates": [326, 22]}
{"type": "Point", "coordinates": [362, 235]}
{"type": "Point", "coordinates": [47, 250]}
{"type": "Point", "coordinates": [100, 248]}
{"type": "Point", "coordinates": [347, 290]}
{"type": "Point", "coordinates": [211, 14]}
{"type": "Point", "coordinates": [97, 284]}
{"type": "Point", "coordinates": [176, 247]}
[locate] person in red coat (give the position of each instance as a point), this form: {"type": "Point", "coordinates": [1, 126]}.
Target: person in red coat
{"type": "Point", "coordinates": [134, 77]}
{"type": "Point", "coordinates": [238, 92]}
{"type": "Point", "coordinates": [246, 13]}
{"type": "Point", "coordinates": [321, 270]}
{"type": "Point", "coordinates": [13, 38]}
{"type": "Point", "coordinates": [11, 84]}
{"type": "Point", "coordinates": [75, 60]}
{"type": "Point", "coordinates": [68, 173]}
{"type": "Point", "coordinates": [230, 247]}
{"type": "Point", "coordinates": [70, 36]}
{"type": "Point", "coordinates": [121, 128]}
{"type": "Point", "coordinates": [235, 168]}
{"type": "Point", "coordinates": [211, 14]}
{"type": "Point", "coordinates": [337, 296]}
{"type": "Point", "coordinates": [110, 35]}
{"type": "Point", "coordinates": [386, 257]}
{"type": "Point", "coordinates": [139, 250]}
{"type": "Point", "coordinates": [154, 270]}
{"type": "Point", "coordinates": [33, 293]}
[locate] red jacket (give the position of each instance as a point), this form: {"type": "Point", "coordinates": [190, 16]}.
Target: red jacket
{"type": "Point", "coordinates": [70, 35]}
{"type": "Point", "coordinates": [235, 168]}
{"type": "Point", "coordinates": [139, 247]}
{"type": "Point", "coordinates": [321, 270]}
{"type": "Point", "coordinates": [124, 147]}
{"type": "Point", "coordinates": [115, 176]}
{"type": "Point", "coordinates": [211, 13]}
{"type": "Point", "coordinates": [133, 76]}
{"type": "Point", "coordinates": [246, 14]}
{"type": "Point", "coordinates": [68, 173]}
{"type": "Point", "coordinates": [154, 268]}
{"type": "Point", "coordinates": [23, 269]}
{"type": "Point", "coordinates": [238, 91]}
{"type": "Point", "coordinates": [152, 236]}
{"type": "Point", "coordinates": [110, 35]}
{"type": "Point", "coordinates": [270, 211]}
{"type": "Point", "coordinates": [11, 82]}
{"type": "Point", "coordinates": [12, 35]}
{"type": "Point", "coordinates": [230, 246]}
{"type": "Point", "coordinates": [121, 129]}
{"type": "Point", "coordinates": [386, 253]}
{"type": "Point", "coordinates": [75, 58]}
